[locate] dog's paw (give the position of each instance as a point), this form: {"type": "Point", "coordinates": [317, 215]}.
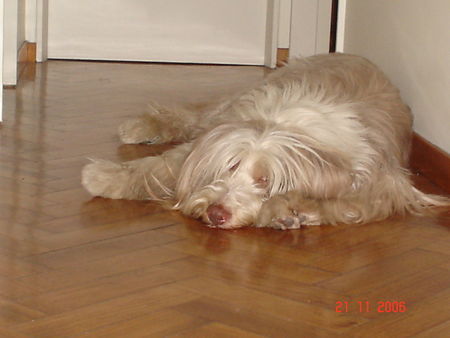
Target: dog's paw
{"type": "Point", "coordinates": [139, 130]}
{"type": "Point", "coordinates": [105, 179]}
{"type": "Point", "coordinates": [289, 222]}
{"type": "Point", "coordinates": [281, 213]}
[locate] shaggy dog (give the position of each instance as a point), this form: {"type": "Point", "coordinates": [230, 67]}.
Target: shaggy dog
{"type": "Point", "coordinates": [323, 140]}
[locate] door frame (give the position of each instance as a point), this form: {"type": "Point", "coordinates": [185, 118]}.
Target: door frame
{"type": "Point", "coordinates": [1, 60]}
{"type": "Point", "coordinates": [41, 30]}
{"type": "Point", "coordinates": [272, 24]}
{"type": "Point", "coordinates": [340, 29]}
{"type": "Point", "coordinates": [310, 27]}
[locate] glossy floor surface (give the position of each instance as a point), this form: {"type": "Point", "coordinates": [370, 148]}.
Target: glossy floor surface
{"type": "Point", "coordinates": [71, 265]}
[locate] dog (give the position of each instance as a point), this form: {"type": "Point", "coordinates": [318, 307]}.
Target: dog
{"type": "Point", "coordinates": [324, 140]}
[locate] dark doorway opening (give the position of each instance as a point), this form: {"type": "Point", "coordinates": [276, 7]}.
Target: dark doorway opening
{"type": "Point", "coordinates": [333, 27]}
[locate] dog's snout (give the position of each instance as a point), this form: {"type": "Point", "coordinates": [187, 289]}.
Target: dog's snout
{"type": "Point", "coordinates": [218, 215]}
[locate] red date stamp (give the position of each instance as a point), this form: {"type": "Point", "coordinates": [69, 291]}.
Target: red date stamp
{"type": "Point", "coordinates": [366, 306]}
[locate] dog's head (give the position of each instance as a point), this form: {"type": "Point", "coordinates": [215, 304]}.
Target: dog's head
{"type": "Point", "coordinates": [234, 168]}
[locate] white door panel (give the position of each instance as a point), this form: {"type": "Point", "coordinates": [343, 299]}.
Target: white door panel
{"type": "Point", "coordinates": [198, 31]}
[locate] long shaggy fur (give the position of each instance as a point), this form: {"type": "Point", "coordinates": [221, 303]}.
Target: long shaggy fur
{"type": "Point", "coordinates": [323, 140]}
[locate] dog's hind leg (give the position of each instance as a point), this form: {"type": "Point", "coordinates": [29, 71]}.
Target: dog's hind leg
{"type": "Point", "coordinates": [159, 125]}
{"type": "Point", "coordinates": [151, 178]}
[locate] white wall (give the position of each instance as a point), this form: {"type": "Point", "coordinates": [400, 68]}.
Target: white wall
{"type": "Point", "coordinates": [410, 41]}
{"type": "Point", "coordinates": [10, 42]}
{"type": "Point", "coordinates": [14, 36]}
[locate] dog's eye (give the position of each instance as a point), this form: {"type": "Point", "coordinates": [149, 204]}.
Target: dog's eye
{"type": "Point", "coordinates": [235, 166]}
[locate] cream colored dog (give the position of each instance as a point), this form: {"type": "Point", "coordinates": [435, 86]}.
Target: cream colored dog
{"type": "Point", "coordinates": [324, 140]}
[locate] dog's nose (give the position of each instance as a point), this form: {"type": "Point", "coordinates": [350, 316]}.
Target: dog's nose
{"type": "Point", "coordinates": [217, 214]}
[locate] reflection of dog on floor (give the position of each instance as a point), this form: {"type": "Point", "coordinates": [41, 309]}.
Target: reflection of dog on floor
{"type": "Point", "coordinates": [324, 140]}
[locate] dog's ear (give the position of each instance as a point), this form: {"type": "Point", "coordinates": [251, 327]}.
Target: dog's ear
{"type": "Point", "coordinates": [329, 177]}
{"type": "Point", "coordinates": [299, 162]}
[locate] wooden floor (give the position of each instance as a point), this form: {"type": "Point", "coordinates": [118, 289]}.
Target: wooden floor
{"type": "Point", "coordinates": [71, 265]}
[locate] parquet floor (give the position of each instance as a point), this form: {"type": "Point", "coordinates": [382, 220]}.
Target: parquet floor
{"type": "Point", "coordinates": [75, 266]}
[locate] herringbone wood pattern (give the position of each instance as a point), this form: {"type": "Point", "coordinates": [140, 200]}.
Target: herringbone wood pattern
{"type": "Point", "coordinates": [71, 265]}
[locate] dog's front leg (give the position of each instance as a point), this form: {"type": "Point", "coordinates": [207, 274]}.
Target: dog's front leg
{"type": "Point", "coordinates": [151, 177]}
{"type": "Point", "coordinates": [292, 210]}
{"type": "Point", "coordinates": [289, 211]}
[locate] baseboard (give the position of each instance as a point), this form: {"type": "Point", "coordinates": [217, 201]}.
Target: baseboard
{"type": "Point", "coordinates": [431, 162]}
{"type": "Point", "coordinates": [26, 59]}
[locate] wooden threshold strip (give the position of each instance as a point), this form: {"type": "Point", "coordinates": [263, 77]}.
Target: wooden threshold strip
{"type": "Point", "coordinates": [26, 57]}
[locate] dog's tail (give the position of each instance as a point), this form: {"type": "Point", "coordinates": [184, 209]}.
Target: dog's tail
{"type": "Point", "coordinates": [407, 198]}
{"type": "Point", "coordinates": [425, 201]}
{"type": "Point", "coordinates": [395, 194]}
